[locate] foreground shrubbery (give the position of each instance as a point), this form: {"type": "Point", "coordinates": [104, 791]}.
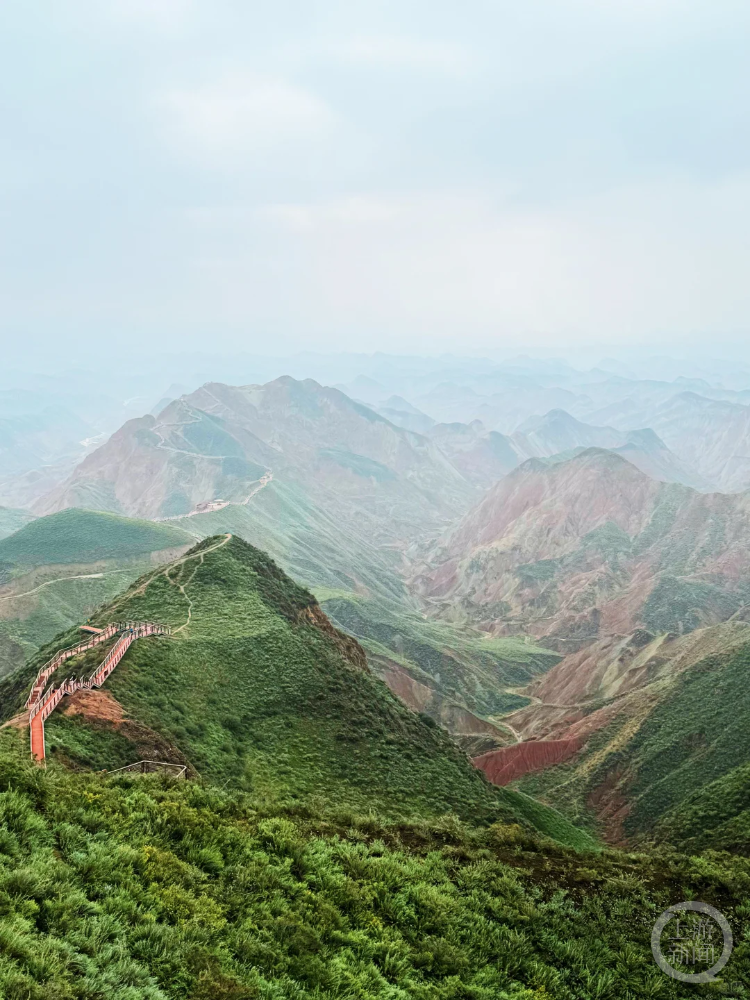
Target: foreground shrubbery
{"type": "Point", "coordinates": [143, 889]}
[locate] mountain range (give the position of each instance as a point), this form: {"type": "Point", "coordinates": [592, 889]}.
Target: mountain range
{"type": "Point", "coordinates": [410, 771]}
{"type": "Point", "coordinates": [507, 585]}
{"type": "Point", "coordinates": [591, 546]}
{"type": "Point", "coordinates": [256, 689]}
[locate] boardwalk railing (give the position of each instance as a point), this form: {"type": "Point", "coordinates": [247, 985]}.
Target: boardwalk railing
{"type": "Point", "coordinates": [41, 704]}
{"type": "Point", "coordinates": [153, 767]}
{"type": "Point", "coordinates": [62, 655]}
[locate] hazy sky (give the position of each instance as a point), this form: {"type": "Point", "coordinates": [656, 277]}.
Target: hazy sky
{"type": "Point", "coordinates": [364, 175]}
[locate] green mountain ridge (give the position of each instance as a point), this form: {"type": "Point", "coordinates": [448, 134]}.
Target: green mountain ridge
{"type": "Point", "coordinates": [258, 691]}
{"type": "Point", "coordinates": [82, 536]}
{"type": "Point", "coordinates": [12, 519]}
{"type": "Point", "coordinates": [56, 570]}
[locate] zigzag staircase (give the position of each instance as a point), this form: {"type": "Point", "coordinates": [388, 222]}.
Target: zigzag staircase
{"type": "Point", "coordinates": [42, 700]}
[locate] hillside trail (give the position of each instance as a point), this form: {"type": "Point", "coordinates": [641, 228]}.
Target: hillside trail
{"type": "Point", "coordinates": [211, 506]}
{"type": "Point", "coordinates": [61, 579]}
{"type": "Point", "coordinates": [521, 692]}
{"type": "Point", "coordinates": [42, 700]}
{"type": "Point", "coordinates": [511, 729]}
{"type": "Point", "coordinates": [535, 701]}
{"type": "Point", "coordinates": [262, 483]}
{"type": "Point", "coordinates": [181, 586]}
{"type": "Point", "coordinates": [163, 571]}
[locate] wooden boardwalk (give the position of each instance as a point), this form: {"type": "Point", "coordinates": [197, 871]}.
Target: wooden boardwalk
{"type": "Point", "coordinates": [43, 700]}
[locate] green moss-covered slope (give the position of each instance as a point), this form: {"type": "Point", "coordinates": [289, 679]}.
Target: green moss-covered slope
{"type": "Point", "coordinates": [11, 520]}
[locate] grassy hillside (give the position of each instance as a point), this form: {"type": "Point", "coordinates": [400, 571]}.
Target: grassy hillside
{"type": "Point", "coordinates": [464, 664]}
{"type": "Point", "coordinates": [314, 541]}
{"type": "Point", "coordinates": [56, 570]}
{"type": "Point", "coordinates": [259, 692]}
{"type": "Point", "coordinates": [359, 586]}
{"type": "Point", "coordinates": [11, 520]}
{"type": "Point", "coordinates": [675, 764]}
{"type": "Point", "coordinates": [150, 889]}
{"type": "Point", "coordinates": [694, 738]}
{"type": "Point", "coordinates": [86, 536]}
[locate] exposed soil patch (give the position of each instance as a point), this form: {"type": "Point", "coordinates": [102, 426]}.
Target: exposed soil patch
{"type": "Point", "coordinates": [509, 763]}
{"type": "Point", "coordinates": [347, 645]}
{"type": "Point", "coordinates": [94, 704]}
{"type": "Point", "coordinates": [611, 807]}
{"type": "Point", "coordinates": [102, 711]}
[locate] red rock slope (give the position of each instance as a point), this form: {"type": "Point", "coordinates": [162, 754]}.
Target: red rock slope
{"type": "Point", "coordinates": [508, 763]}
{"type": "Point", "coordinates": [574, 551]}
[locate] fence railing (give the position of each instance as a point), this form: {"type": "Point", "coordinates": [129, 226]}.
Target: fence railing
{"type": "Point", "coordinates": [69, 652]}
{"type": "Point", "coordinates": [43, 705]}
{"type": "Point", "coordinates": [153, 767]}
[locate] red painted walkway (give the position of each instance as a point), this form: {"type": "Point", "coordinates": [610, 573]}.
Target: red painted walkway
{"type": "Point", "coordinates": [42, 701]}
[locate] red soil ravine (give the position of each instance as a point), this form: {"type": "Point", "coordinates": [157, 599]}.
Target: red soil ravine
{"type": "Point", "coordinates": [509, 763]}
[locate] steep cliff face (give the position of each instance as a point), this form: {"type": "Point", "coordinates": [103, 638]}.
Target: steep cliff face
{"type": "Point", "coordinates": [347, 645]}
{"type": "Point", "coordinates": [592, 547]}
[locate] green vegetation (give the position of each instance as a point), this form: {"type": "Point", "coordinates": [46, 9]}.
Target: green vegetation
{"type": "Point", "coordinates": [470, 667]}
{"type": "Point", "coordinates": [683, 771]}
{"type": "Point", "coordinates": [61, 601]}
{"type": "Point", "coordinates": [672, 496]}
{"type": "Point", "coordinates": [86, 536]}
{"type": "Point", "coordinates": [695, 736]}
{"type": "Point", "coordinates": [11, 520]}
{"type": "Point", "coordinates": [206, 435]}
{"type": "Point", "coordinates": [151, 889]}
{"type": "Point", "coordinates": [57, 570]}
{"type": "Point", "coordinates": [341, 560]}
{"type": "Point", "coordinates": [81, 746]}
{"type": "Point", "coordinates": [360, 465]}
{"type": "Point", "coordinates": [12, 654]}
{"type": "Point", "coordinates": [683, 605]}
{"type": "Point", "coordinates": [609, 540]}
{"type": "Point", "coordinates": [311, 543]}
{"type": "Point", "coordinates": [260, 693]}
{"type": "Point", "coordinates": [538, 572]}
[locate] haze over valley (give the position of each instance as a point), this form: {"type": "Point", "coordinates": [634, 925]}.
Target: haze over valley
{"type": "Point", "coordinates": [374, 500]}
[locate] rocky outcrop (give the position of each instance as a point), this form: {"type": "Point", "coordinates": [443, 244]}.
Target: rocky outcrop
{"type": "Point", "coordinates": [347, 645]}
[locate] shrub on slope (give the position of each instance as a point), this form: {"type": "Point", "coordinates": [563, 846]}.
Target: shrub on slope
{"type": "Point", "coordinates": [147, 889]}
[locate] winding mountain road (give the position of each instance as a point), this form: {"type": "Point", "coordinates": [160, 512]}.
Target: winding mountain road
{"type": "Point", "coordinates": [210, 506]}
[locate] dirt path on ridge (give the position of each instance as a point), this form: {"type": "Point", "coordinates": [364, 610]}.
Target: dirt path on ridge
{"type": "Point", "coordinates": [61, 579]}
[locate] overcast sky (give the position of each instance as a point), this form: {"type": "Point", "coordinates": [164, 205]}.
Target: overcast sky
{"type": "Point", "coordinates": [405, 176]}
